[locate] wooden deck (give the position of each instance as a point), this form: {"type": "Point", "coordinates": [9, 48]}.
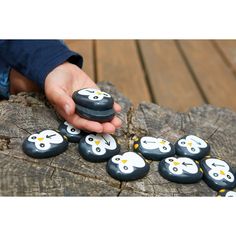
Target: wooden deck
{"type": "Point", "coordinates": [172, 73]}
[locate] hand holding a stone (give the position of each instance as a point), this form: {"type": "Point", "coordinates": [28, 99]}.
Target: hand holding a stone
{"type": "Point", "coordinates": [59, 87]}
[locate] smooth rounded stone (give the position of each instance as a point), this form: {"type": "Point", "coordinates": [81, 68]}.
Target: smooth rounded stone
{"type": "Point", "coordinates": [226, 193]}
{"type": "Point", "coordinates": [73, 134]}
{"type": "Point", "coordinates": [94, 104]}
{"type": "Point", "coordinates": [98, 147]}
{"type": "Point", "coordinates": [192, 146]}
{"type": "Point", "coordinates": [154, 148]}
{"type": "Point", "coordinates": [217, 174]}
{"type": "Point", "coordinates": [44, 144]}
{"type": "Point", "coordinates": [127, 167]}
{"type": "Point", "coordinates": [180, 170]}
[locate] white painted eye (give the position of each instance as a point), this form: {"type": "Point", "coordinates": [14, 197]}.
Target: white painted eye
{"type": "Point", "coordinates": [215, 174]}
{"type": "Point", "coordinates": [193, 149]}
{"type": "Point", "coordinates": [71, 129]}
{"type": "Point", "coordinates": [229, 176]}
{"type": "Point", "coordinates": [230, 194]}
{"type": "Point", "coordinates": [98, 150]}
{"type": "Point", "coordinates": [170, 160]}
{"type": "Point", "coordinates": [90, 139]}
{"type": "Point", "coordinates": [163, 145]}
{"type": "Point", "coordinates": [42, 145]}
{"type": "Point", "coordinates": [32, 138]}
{"type": "Point", "coordinates": [127, 169]}
{"type": "Point", "coordinates": [198, 141]}
{"type": "Point", "coordinates": [182, 142]}
{"type": "Point", "coordinates": [87, 92]}
{"type": "Point", "coordinates": [116, 159]}
{"type": "Point", "coordinates": [106, 95]}
{"type": "Point", "coordinates": [177, 170]}
{"type": "Point", "coordinates": [51, 136]}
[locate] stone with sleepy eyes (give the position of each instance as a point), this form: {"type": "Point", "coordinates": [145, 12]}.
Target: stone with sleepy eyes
{"type": "Point", "coordinates": [73, 134]}
{"type": "Point", "coordinates": [127, 167]}
{"type": "Point", "coordinates": [192, 146]}
{"type": "Point", "coordinates": [218, 174]}
{"type": "Point", "coordinates": [44, 144]}
{"type": "Point", "coordinates": [94, 104]}
{"type": "Point", "coordinates": [180, 170]}
{"type": "Point", "coordinates": [98, 147]}
{"type": "Point", "coordinates": [154, 148]}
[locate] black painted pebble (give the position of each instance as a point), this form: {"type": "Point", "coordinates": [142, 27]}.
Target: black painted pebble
{"type": "Point", "coordinates": [98, 147]}
{"type": "Point", "coordinates": [44, 144]}
{"type": "Point", "coordinates": [94, 104]}
{"type": "Point", "coordinates": [180, 170]}
{"type": "Point", "coordinates": [226, 193]}
{"type": "Point", "coordinates": [154, 148]}
{"type": "Point", "coordinates": [73, 134]}
{"type": "Point", "coordinates": [192, 146]}
{"type": "Point", "coordinates": [127, 167]}
{"type": "Point", "coordinates": [217, 174]}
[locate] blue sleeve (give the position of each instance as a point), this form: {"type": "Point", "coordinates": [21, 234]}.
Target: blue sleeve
{"type": "Point", "coordinates": [35, 59]}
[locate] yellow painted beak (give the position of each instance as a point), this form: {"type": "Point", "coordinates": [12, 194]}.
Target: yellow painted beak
{"type": "Point", "coordinates": [124, 161]}
{"type": "Point", "coordinates": [222, 172]}
{"type": "Point", "coordinates": [162, 142]}
{"type": "Point", "coordinates": [136, 146]}
{"type": "Point", "coordinates": [189, 144]}
{"type": "Point", "coordinates": [40, 139]}
{"type": "Point", "coordinates": [97, 142]}
{"type": "Point", "coordinates": [98, 93]}
{"type": "Point", "coordinates": [176, 163]}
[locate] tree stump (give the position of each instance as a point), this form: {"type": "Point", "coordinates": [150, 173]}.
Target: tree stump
{"type": "Point", "coordinates": [70, 175]}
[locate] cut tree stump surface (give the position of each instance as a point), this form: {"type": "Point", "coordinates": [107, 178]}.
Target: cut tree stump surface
{"type": "Point", "coordinates": [70, 175]}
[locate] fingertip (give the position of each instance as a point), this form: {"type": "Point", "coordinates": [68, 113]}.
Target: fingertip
{"type": "Point", "coordinates": [117, 107]}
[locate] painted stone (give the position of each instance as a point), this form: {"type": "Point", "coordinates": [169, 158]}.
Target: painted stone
{"type": "Point", "coordinates": [180, 170]}
{"type": "Point", "coordinates": [192, 146]}
{"type": "Point", "coordinates": [98, 147]}
{"type": "Point", "coordinates": [127, 167]}
{"type": "Point", "coordinates": [217, 174]}
{"type": "Point", "coordinates": [44, 144]}
{"type": "Point", "coordinates": [154, 148]}
{"type": "Point", "coordinates": [73, 134]}
{"type": "Point", "coordinates": [226, 193]}
{"type": "Point", "coordinates": [94, 104]}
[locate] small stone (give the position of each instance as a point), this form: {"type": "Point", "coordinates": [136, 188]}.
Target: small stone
{"type": "Point", "coordinates": [98, 147]}
{"type": "Point", "coordinates": [226, 193]}
{"type": "Point", "coordinates": [44, 144]}
{"type": "Point", "coordinates": [73, 134]}
{"type": "Point", "coordinates": [154, 148]}
{"type": "Point", "coordinates": [180, 170]}
{"type": "Point", "coordinates": [127, 167]}
{"type": "Point", "coordinates": [192, 146]}
{"type": "Point", "coordinates": [94, 104]}
{"type": "Point", "coordinates": [217, 173]}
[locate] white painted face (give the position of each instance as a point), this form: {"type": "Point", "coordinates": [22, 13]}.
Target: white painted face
{"type": "Point", "coordinates": [101, 142]}
{"type": "Point", "coordinates": [44, 139]}
{"type": "Point", "coordinates": [177, 166]}
{"type": "Point", "coordinates": [219, 170]}
{"type": "Point", "coordinates": [230, 194]}
{"type": "Point", "coordinates": [94, 94]}
{"type": "Point", "coordinates": [71, 129]}
{"type": "Point", "coordinates": [151, 143]}
{"type": "Point", "coordinates": [192, 143]}
{"type": "Point", "coordinates": [128, 161]}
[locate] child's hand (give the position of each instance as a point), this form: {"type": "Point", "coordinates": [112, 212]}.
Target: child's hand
{"type": "Point", "coordinates": [59, 87]}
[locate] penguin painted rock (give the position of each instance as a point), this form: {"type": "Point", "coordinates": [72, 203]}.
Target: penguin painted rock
{"type": "Point", "coordinates": [180, 170]}
{"type": "Point", "coordinates": [73, 134]}
{"type": "Point", "coordinates": [98, 147]}
{"type": "Point", "coordinates": [44, 144]}
{"type": "Point", "coordinates": [217, 174]}
{"type": "Point", "coordinates": [94, 104]}
{"type": "Point", "coordinates": [226, 193]}
{"type": "Point", "coordinates": [192, 146]}
{"type": "Point", "coordinates": [154, 148]}
{"type": "Point", "coordinates": [127, 167]}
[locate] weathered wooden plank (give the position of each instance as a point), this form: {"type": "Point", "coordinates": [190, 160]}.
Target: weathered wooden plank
{"type": "Point", "coordinates": [84, 48]}
{"type": "Point", "coordinates": [119, 63]}
{"type": "Point", "coordinates": [171, 83]}
{"type": "Point", "coordinates": [228, 48]}
{"type": "Point", "coordinates": [213, 75]}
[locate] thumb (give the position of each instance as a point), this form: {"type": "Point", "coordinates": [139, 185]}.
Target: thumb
{"type": "Point", "coordinates": [61, 100]}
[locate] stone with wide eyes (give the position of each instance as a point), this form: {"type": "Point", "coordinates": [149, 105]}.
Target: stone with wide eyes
{"type": "Point", "coordinates": [192, 146]}
{"type": "Point", "coordinates": [98, 147]}
{"type": "Point", "coordinates": [180, 170]}
{"type": "Point", "coordinates": [94, 104]}
{"type": "Point", "coordinates": [44, 144]}
{"type": "Point", "coordinates": [154, 148]}
{"type": "Point", "coordinates": [127, 167]}
{"type": "Point", "coordinates": [73, 134]}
